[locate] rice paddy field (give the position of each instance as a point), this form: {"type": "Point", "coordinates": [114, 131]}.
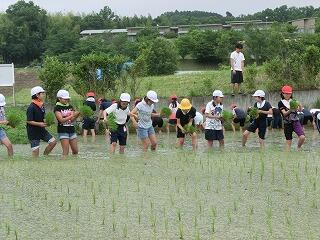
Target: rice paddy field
{"type": "Point", "coordinates": [238, 193]}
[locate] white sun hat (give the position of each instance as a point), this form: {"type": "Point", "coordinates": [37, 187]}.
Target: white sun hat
{"type": "Point", "coordinates": [36, 90]}
{"type": "Point", "coordinates": [217, 93]}
{"type": "Point", "coordinates": [125, 97]}
{"type": "Point", "coordinates": [64, 94]}
{"type": "Point", "coordinates": [259, 93]}
{"type": "Point", "coordinates": [152, 95]}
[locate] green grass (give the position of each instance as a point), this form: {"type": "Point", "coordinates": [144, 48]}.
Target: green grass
{"type": "Point", "coordinates": [170, 194]}
{"type": "Point", "coordinates": [191, 84]}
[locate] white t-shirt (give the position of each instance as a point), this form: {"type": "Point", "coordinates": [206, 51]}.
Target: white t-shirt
{"type": "Point", "coordinates": [144, 114]}
{"type": "Point", "coordinates": [121, 115]}
{"type": "Point", "coordinates": [198, 119]}
{"type": "Point", "coordinates": [211, 123]}
{"type": "Point", "coordinates": [237, 60]}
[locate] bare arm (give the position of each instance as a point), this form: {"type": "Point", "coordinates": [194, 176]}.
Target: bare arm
{"type": "Point", "coordinates": [63, 119]}
{"type": "Point", "coordinates": [37, 124]}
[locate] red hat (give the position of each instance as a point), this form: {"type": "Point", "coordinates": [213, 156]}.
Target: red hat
{"type": "Point", "coordinates": [91, 94]}
{"type": "Point", "coordinates": [286, 89]}
{"type": "Point", "coordinates": [174, 97]}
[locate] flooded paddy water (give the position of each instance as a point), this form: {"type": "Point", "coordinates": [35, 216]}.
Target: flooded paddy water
{"type": "Point", "coordinates": [238, 193]}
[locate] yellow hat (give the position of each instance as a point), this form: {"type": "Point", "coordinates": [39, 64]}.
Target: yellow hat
{"type": "Point", "coordinates": [185, 104]}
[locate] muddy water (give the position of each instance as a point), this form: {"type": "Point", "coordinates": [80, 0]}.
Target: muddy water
{"type": "Point", "coordinates": [171, 194]}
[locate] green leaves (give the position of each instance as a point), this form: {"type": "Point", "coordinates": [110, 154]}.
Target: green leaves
{"type": "Point", "coordinates": [53, 75]}
{"type": "Point", "coordinates": [227, 115]}
{"type": "Point", "coordinates": [86, 111]}
{"type": "Point", "coordinates": [85, 78]}
{"type": "Point", "coordinates": [165, 111]}
{"type": "Point", "coordinates": [49, 118]}
{"type": "Point", "coordinates": [111, 122]}
{"type": "Point", "coordinates": [294, 104]}
{"type": "Point", "coordinates": [253, 113]}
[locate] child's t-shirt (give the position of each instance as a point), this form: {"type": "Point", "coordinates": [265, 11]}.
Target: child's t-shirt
{"type": "Point", "coordinates": [185, 118]}
{"type": "Point", "coordinates": [264, 106]}
{"type": "Point", "coordinates": [120, 114]}
{"type": "Point", "coordinates": [36, 114]}
{"type": "Point", "coordinates": [174, 110]}
{"type": "Point", "coordinates": [65, 110]}
{"type": "Point", "coordinates": [144, 114]}
{"type": "Point", "coordinates": [2, 114]}
{"type": "Point", "coordinates": [216, 110]}
{"type": "Point", "coordinates": [285, 105]}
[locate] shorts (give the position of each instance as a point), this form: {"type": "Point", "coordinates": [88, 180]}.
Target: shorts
{"type": "Point", "coordinates": [3, 134]}
{"type": "Point", "coordinates": [289, 128]}
{"type": "Point", "coordinates": [157, 122]}
{"type": "Point", "coordinates": [143, 133]}
{"type": "Point", "coordinates": [69, 136]}
{"type": "Point", "coordinates": [88, 123]}
{"type": "Point", "coordinates": [239, 120]}
{"type": "Point", "coordinates": [261, 125]}
{"type": "Point", "coordinates": [119, 135]}
{"type": "Point", "coordinates": [237, 77]}
{"type": "Point", "coordinates": [211, 135]}
{"type": "Point", "coordinates": [46, 136]}
{"type": "Point", "coordinates": [172, 121]}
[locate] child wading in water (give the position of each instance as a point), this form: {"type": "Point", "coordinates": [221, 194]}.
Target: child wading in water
{"type": "Point", "coordinates": [3, 121]}
{"type": "Point", "coordinates": [89, 122]}
{"type": "Point", "coordinates": [141, 120]}
{"type": "Point", "coordinates": [36, 127]}
{"type": "Point", "coordinates": [214, 127]}
{"type": "Point", "coordinates": [121, 112]}
{"type": "Point", "coordinates": [185, 116]}
{"type": "Point", "coordinates": [66, 115]}
{"type": "Point", "coordinates": [174, 105]}
{"type": "Point", "coordinates": [290, 118]}
{"type": "Point", "coordinates": [260, 123]}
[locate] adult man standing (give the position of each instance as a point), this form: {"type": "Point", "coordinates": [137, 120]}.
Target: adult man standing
{"type": "Point", "coordinates": [237, 66]}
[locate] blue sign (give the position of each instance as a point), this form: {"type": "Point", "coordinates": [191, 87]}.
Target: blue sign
{"type": "Point", "coordinates": [99, 74]}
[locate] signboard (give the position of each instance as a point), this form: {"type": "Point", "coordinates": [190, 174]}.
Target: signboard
{"type": "Point", "coordinates": [7, 78]}
{"type": "Point", "coordinates": [6, 75]}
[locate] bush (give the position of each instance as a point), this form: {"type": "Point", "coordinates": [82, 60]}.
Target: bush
{"type": "Point", "coordinates": [161, 57]}
{"type": "Point", "coordinates": [53, 76]}
{"type": "Point", "coordinates": [49, 118]}
{"type": "Point", "coordinates": [251, 73]}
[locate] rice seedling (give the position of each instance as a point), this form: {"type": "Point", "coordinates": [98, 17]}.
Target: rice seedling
{"type": "Point", "coordinates": [294, 104]}
{"type": "Point", "coordinates": [166, 112]}
{"type": "Point", "coordinates": [86, 111]}
{"type": "Point", "coordinates": [190, 129]}
{"type": "Point", "coordinates": [227, 116]}
{"type": "Point", "coordinates": [253, 113]}
{"type": "Point", "coordinates": [111, 122]}
{"type": "Point", "coordinates": [49, 118]}
{"type": "Point", "coordinates": [14, 118]}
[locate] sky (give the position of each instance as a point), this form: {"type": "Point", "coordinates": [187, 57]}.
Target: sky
{"type": "Point", "coordinates": [156, 7]}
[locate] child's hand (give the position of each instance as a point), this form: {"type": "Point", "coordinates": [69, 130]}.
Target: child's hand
{"type": "Point", "coordinates": [135, 124]}
{"type": "Point", "coordinates": [42, 124]}
{"type": "Point", "coordinates": [5, 122]}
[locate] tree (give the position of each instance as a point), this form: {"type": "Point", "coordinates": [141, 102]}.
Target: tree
{"type": "Point", "coordinates": [62, 36]}
{"type": "Point", "coordinates": [161, 57]}
{"type": "Point", "coordinates": [184, 45]}
{"type": "Point", "coordinates": [53, 75]}
{"type": "Point", "coordinates": [85, 73]}
{"type": "Point", "coordinates": [24, 30]}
